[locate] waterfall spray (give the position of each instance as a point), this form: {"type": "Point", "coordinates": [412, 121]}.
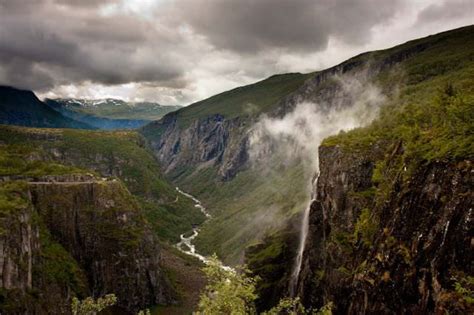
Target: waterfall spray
{"type": "Point", "coordinates": [297, 136]}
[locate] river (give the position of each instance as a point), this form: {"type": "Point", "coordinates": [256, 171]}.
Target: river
{"type": "Point", "coordinates": [186, 245]}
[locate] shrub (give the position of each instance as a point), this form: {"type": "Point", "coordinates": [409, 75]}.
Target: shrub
{"type": "Point", "coordinates": [227, 291]}
{"type": "Point", "coordinates": [89, 306]}
{"type": "Point", "coordinates": [365, 227]}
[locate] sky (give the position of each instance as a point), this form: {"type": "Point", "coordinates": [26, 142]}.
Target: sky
{"type": "Point", "coordinates": [182, 51]}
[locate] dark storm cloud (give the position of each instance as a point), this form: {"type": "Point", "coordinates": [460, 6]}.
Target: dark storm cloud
{"type": "Point", "coordinates": [47, 43]}
{"type": "Point", "coordinates": [83, 3]}
{"type": "Point", "coordinates": [447, 10]}
{"type": "Point", "coordinates": [305, 25]}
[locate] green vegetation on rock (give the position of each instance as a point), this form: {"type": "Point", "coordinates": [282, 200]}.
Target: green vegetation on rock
{"type": "Point", "coordinates": [91, 306]}
{"type": "Point", "coordinates": [246, 207]}
{"type": "Point", "coordinates": [122, 154]}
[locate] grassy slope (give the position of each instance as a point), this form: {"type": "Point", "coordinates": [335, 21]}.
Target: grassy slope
{"type": "Point", "coordinates": [249, 100]}
{"type": "Point", "coordinates": [447, 58]}
{"type": "Point", "coordinates": [247, 204]}
{"type": "Point", "coordinates": [28, 151]}
{"type": "Point", "coordinates": [432, 111]}
{"type": "Point", "coordinates": [432, 117]}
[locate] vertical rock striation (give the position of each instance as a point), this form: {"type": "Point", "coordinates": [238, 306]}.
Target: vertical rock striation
{"type": "Point", "coordinates": [211, 141]}
{"type": "Point", "coordinates": [98, 229]}
{"type": "Point", "coordinates": [399, 250]}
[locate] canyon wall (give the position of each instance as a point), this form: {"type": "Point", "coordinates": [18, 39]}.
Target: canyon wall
{"type": "Point", "coordinates": [399, 248]}
{"type": "Point", "coordinates": [67, 236]}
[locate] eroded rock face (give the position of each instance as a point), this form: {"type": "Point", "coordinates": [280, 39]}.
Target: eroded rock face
{"type": "Point", "coordinates": [212, 141]}
{"type": "Point", "coordinates": [18, 247]}
{"type": "Point", "coordinates": [418, 237]}
{"type": "Point", "coordinates": [104, 233]}
{"type": "Point", "coordinates": [102, 227]}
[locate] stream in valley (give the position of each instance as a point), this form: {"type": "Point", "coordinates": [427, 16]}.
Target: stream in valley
{"type": "Point", "coordinates": [186, 245]}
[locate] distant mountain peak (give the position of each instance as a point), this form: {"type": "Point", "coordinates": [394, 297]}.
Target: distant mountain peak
{"type": "Point", "coordinates": [112, 108]}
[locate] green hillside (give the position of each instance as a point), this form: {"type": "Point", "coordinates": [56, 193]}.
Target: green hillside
{"type": "Point", "coordinates": [432, 112]}
{"type": "Point", "coordinates": [36, 152]}
{"type": "Point", "coordinates": [249, 100]}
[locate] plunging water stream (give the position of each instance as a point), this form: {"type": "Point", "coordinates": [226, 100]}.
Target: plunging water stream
{"type": "Point", "coordinates": [302, 243]}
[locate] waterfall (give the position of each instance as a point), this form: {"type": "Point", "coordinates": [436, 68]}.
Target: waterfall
{"type": "Point", "coordinates": [302, 243]}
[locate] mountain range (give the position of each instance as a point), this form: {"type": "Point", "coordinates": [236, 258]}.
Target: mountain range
{"type": "Point", "coordinates": [110, 113]}
{"type": "Point", "coordinates": [23, 108]}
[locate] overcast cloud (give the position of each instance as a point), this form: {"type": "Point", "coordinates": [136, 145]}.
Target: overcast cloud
{"type": "Point", "coordinates": [180, 51]}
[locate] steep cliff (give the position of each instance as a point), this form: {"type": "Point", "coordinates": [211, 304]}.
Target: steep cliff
{"type": "Point", "coordinates": [391, 225]}
{"type": "Point", "coordinates": [75, 224]}
{"type": "Point", "coordinates": [67, 236]}
{"type": "Point", "coordinates": [394, 249]}
{"type": "Point", "coordinates": [213, 133]}
{"type": "Point", "coordinates": [205, 147]}
{"type": "Point", "coordinates": [212, 141]}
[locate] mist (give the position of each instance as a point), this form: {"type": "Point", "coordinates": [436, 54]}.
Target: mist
{"type": "Point", "coordinates": [297, 136]}
{"type": "Point", "coordinates": [294, 139]}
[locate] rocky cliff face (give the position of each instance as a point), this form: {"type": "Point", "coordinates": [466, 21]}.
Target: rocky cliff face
{"type": "Point", "coordinates": [211, 141]}
{"type": "Point", "coordinates": [18, 244]}
{"type": "Point", "coordinates": [400, 248]}
{"type": "Point", "coordinates": [101, 244]}
{"type": "Point", "coordinates": [30, 261]}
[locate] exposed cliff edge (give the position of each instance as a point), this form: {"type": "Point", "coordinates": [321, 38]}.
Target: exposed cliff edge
{"type": "Point", "coordinates": [394, 249]}
{"type": "Point", "coordinates": [76, 236]}
{"type": "Point", "coordinates": [390, 230]}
